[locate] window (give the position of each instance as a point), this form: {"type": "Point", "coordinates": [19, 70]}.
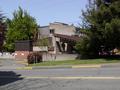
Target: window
{"type": "Point", "coordinates": [52, 31]}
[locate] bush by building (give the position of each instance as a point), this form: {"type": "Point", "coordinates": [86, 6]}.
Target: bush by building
{"type": "Point", "coordinates": [35, 57]}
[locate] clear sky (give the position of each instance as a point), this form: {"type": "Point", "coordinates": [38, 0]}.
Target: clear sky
{"type": "Point", "coordinates": [47, 11]}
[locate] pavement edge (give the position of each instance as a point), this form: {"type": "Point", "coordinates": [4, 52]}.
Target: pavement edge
{"type": "Point", "coordinates": [58, 67]}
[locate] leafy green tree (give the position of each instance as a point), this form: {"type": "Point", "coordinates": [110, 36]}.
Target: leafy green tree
{"type": "Point", "coordinates": [21, 27]}
{"type": "Point", "coordinates": [101, 27]}
{"type": "Point", "coordinates": [42, 42]}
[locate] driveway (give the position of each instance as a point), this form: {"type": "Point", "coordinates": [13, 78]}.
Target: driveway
{"type": "Point", "coordinates": [9, 64]}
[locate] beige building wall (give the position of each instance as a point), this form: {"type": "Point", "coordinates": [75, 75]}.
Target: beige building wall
{"type": "Point", "coordinates": [61, 28]}
{"type": "Point", "coordinates": [57, 28]}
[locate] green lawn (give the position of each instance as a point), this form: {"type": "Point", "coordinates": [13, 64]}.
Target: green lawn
{"type": "Point", "coordinates": [76, 62]}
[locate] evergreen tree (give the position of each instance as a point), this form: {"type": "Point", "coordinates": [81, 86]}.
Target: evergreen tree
{"type": "Point", "coordinates": [101, 28]}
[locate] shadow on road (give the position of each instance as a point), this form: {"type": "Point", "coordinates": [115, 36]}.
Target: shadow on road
{"type": "Point", "coordinates": [7, 77]}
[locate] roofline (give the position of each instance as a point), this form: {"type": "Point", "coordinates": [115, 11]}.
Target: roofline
{"type": "Point", "coordinates": [43, 26]}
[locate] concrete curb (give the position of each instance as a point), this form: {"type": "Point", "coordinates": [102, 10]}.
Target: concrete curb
{"type": "Point", "coordinates": [70, 66]}
{"type": "Point", "coordinates": [58, 67]}
{"type": "Point", "coordinates": [111, 65]}
{"type": "Point", "coordinates": [22, 62]}
{"type": "Point", "coordinates": [24, 68]}
{"type": "Point", "coordinates": [87, 66]}
{"type": "Point", "coordinates": [51, 67]}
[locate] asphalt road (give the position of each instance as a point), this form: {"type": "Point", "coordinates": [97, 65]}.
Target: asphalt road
{"type": "Point", "coordinates": [106, 78]}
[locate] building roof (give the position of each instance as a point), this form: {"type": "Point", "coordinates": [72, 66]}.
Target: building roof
{"type": "Point", "coordinates": [59, 23]}
{"type": "Point", "coordinates": [66, 37]}
{"type": "Point", "coordinates": [43, 26]}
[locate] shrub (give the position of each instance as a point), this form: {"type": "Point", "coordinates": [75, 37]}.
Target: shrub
{"type": "Point", "coordinates": [87, 48]}
{"type": "Point", "coordinates": [35, 57]}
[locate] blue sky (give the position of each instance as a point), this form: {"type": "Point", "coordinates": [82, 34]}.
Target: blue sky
{"type": "Point", "coordinates": [47, 11]}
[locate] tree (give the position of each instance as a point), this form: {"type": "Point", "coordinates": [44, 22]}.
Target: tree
{"type": "Point", "coordinates": [43, 42]}
{"type": "Point", "coordinates": [21, 27]}
{"type": "Point", "coordinates": [2, 30]}
{"type": "Point", "coordinates": [101, 26]}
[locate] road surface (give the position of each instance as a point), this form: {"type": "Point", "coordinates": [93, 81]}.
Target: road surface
{"type": "Point", "coordinates": [61, 79]}
{"type": "Point", "coordinates": [104, 78]}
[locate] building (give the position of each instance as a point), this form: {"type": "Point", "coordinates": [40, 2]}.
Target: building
{"type": "Point", "coordinates": [22, 49]}
{"type": "Point", "coordinates": [61, 41]}
{"type": "Point", "coordinates": [62, 37]}
{"type": "Point", "coordinates": [57, 28]}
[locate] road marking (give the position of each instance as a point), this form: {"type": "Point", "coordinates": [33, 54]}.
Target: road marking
{"type": "Point", "coordinates": [24, 68]}
{"type": "Point", "coordinates": [61, 78]}
{"type": "Point", "coordinates": [86, 66]}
